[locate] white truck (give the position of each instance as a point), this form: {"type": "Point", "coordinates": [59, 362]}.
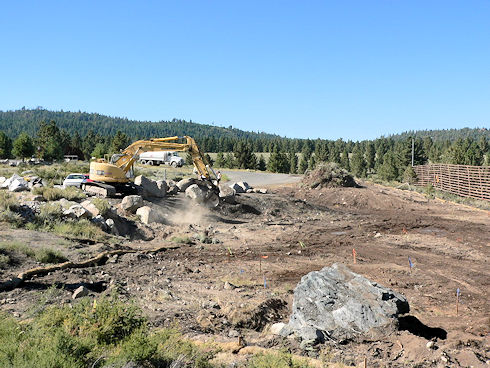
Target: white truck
{"type": "Point", "coordinates": [161, 157]}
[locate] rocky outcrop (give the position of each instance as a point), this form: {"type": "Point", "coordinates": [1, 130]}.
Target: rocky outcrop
{"type": "Point", "coordinates": [336, 303]}
{"type": "Point", "coordinates": [196, 193]}
{"type": "Point", "coordinates": [185, 183]}
{"type": "Point", "coordinates": [227, 194]}
{"type": "Point", "coordinates": [240, 187]}
{"type": "Point", "coordinates": [147, 215]}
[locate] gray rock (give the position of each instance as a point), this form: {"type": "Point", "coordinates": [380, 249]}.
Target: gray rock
{"type": "Point", "coordinates": [131, 203]}
{"type": "Point", "coordinates": [185, 183]}
{"type": "Point", "coordinates": [76, 212]}
{"type": "Point", "coordinates": [227, 194]}
{"type": "Point", "coordinates": [80, 292]}
{"type": "Point", "coordinates": [276, 328]}
{"type": "Point", "coordinates": [90, 207]}
{"type": "Point", "coordinates": [100, 222]}
{"type": "Point", "coordinates": [260, 190]}
{"type": "Point", "coordinates": [173, 189]}
{"type": "Point", "coordinates": [240, 187]}
{"type": "Point", "coordinates": [149, 187]}
{"type": "Point", "coordinates": [163, 186]}
{"type": "Point", "coordinates": [2, 180]}
{"type": "Point", "coordinates": [65, 203]}
{"type": "Point", "coordinates": [147, 215]}
{"type": "Point", "coordinates": [196, 193]}
{"type": "Point", "coordinates": [16, 184]}
{"type": "Point", "coordinates": [336, 303]}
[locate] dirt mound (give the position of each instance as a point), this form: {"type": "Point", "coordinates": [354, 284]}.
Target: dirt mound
{"type": "Point", "coordinates": [328, 175]}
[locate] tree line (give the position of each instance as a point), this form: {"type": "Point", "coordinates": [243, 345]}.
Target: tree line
{"type": "Point", "coordinates": [388, 157]}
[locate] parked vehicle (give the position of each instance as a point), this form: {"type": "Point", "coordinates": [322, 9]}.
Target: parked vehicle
{"type": "Point", "coordinates": [161, 157]}
{"type": "Point", "coordinates": [74, 180]}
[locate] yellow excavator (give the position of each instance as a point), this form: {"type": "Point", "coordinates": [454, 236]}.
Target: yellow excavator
{"type": "Point", "coordinates": [106, 179]}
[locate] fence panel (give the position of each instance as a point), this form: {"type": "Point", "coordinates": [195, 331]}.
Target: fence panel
{"type": "Point", "coordinates": [463, 180]}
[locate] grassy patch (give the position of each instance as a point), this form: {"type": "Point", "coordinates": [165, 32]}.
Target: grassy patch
{"type": "Point", "coordinates": [8, 201]}
{"type": "Point", "coordinates": [4, 260]}
{"type": "Point", "coordinates": [107, 333]}
{"type": "Point", "coordinates": [79, 229]}
{"type": "Point", "coordinates": [43, 254]}
{"type": "Point", "coordinates": [181, 239]}
{"type": "Point", "coordinates": [102, 205]}
{"type": "Point", "coordinates": [54, 194]}
{"type": "Point", "coordinates": [276, 360]}
{"type": "Point", "coordinates": [12, 218]}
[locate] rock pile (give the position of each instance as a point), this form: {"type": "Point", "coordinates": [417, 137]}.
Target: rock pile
{"type": "Point", "coordinates": [328, 175]}
{"type": "Point", "coordinates": [338, 304]}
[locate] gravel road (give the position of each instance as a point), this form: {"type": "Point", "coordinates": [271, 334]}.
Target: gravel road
{"type": "Point", "coordinates": [261, 178]}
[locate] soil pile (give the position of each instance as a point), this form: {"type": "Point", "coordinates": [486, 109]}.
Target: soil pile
{"type": "Point", "coordinates": [328, 175]}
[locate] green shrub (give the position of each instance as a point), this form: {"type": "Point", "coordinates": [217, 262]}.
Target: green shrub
{"type": "Point", "coordinates": [4, 260]}
{"type": "Point", "coordinates": [109, 332]}
{"type": "Point", "coordinates": [50, 212]}
{"type": "Point", "coordinates": [181, 239]}
{"type": "Point", "coordinates": [11, 217]}
{"type": "Point", "coordinates": [8, 201]}
{"type": "Point", "coordinates": [78, 229]}
{"type": "Point", "coordinates": [15, 246]}
{"type": "Point", "coordinates": [47, 255]}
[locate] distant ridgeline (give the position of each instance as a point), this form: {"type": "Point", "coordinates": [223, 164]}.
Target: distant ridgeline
{"type": "Point", "coordinates": [54, 133]}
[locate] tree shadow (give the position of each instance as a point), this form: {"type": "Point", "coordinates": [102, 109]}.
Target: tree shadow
{"type": "Point", "coordinates": [414, 326]}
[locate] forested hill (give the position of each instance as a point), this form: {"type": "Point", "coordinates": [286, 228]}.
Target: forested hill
{"type": "Point", "coordinates": [445, 134]}
{"type": "Point", "coordinates": [15, 122]}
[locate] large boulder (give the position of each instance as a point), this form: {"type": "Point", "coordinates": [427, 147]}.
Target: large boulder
{"type": "Point", "coordinates": [2, 180]}
{"type": "Point", "coordinates": [196, 193]}
{"type": "Point", "coordinates": [240, 187]}
{"type": "Point", "coordinates": [149, 187]}
{"type": "Point", "coordinates": [131, 203]}
{"type": "Point", "coordinates": [185, 183]}
{"type": "Point", "coordinates": [147, 215]}
{"type": "Point", "coordinates": [336, 303]}
{"type": "Point", "coordinates": [162, 185]}
{"type": "Point", "coordinates": [6, 183]}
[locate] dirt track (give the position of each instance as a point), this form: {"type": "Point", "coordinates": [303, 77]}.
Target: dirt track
{"type": "Point", "coordinates": [447, 243]}
{"type": "Point", "coordinates": [258, 178]}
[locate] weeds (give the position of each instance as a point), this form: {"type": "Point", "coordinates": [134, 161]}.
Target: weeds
{"type": "Point", "coordinates": [181, 239]}
{"type": "Point", "coordinates": [109, 332]}
{"type": "Point", "coordinates": [54, 194]}
{"type": "Point", "coordinates": [276, 360]}
{"type": "Point", "coordinates": [4, 260]}
{"type": "Point", "coordinates": [8, 201]}
{"type": "Point", "coordinates": [78, 229]}
{"type": "Point", "coordinates": [42, 255]}
{"type": "Point", "coordinates": [11, 217]}
{"type": "Point", "coordinates": [102, 205]}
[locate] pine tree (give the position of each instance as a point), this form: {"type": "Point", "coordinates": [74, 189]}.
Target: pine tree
{"type": "Point", "coordinates": [358, 163]}
{"type": "Point", "coordinates": [344, 160]}
{"type": "Point", "coordinates": [5, 145]}
{"type": "Point", "coordinates": [99, 151]}
{"type": "Point", "coordinates": [278, 161]}
{"type": "Point", "coordinates": [23, 146]}
{"type": "Point", "coordinates": [229, 161]}
{"type": "Point", "coordinates": [293, 162]}
{"type": "Point", "coordinates": [370, 155]}
{"type": "Point", "coordinates": [312, 163]}
{"type": "Point", "coordinates": [261, 165]}
{"type": "Point", "coordinates": [409, 176]}
{"type": "Point", "coordinates": [220, 159]}
{"type": "Point", "coordinates": [244, 156]}
{"type": "Point", "coordinates": [119, 142]}
{"type": "Point", "coordinates": [49, 141]}
{"type": "Point", "coordinates": [388, 169]}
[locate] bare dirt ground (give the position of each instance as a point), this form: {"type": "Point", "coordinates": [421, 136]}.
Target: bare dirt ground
{"type": "Point", "coordinates": [237, 273]}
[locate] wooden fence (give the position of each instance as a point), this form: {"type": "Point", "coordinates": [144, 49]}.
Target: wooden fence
{"type": "Point", "coordinates": [462, 180]}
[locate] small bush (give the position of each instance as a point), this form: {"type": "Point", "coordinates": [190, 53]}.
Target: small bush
{"type": "Point", "coordinates": [429, 190]}
{"type": "Point", "coordinates": [409, 176]}
{"type": "Point", "coordinates": [109, 332]}
{"type": "Point", "coordinates": [15, 246]}
{"type": "Point", "coordinates": [4, 260]}
{"type": "Point", "coordinates": [8, 201]}
{"type": "Point", "coordinates": [12, 218]}
{"type": "Point", "coordinates": [50, 212]}
{"type": "Point", "coordinates": [47, 255]}
{"type": "Point", "coordinates": [78, 229]}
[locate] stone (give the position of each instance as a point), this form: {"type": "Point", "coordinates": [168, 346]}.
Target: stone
{"type": "Point", "coordinates": [131, 203]}
{"type": "Point", "coordinates": [65, 203]}
{"type": "Point", "coordinates": [149, 187]}
{"type": "Point", "coordinates": [276, 328]}
{"type": "Point", "coordinates": [173, 189]}
{"type": "Point", "coordinates": [196, 193]}
{"type": "Point", "coordinates": [249, 191]}
{"type": "Point", "coordinates": [2, 180]}
{"type": "Point", "coordinates": [227, 194]}
{"type": "Point", "coordinates": [17, 184]}
{"type": "Point", "coordinates": [240, 187]}
{"type": "Point", "coordinates": [80, 292]}
{"type": "Point", "coordinates": [338, 304]}
{"type": "Point", "coordinates": [163, 186]}
{"type": "Point", "coordinates": [147, 215]}
{"type": "Point", "coordinates": [229, 286]}
{"type": "Point", "coordinates": [260, 190]}
{"type": "Point", "coordinates": [185, 183]}
{"type": "Point", "coordinates": [91, 208]}
{"type": "Point", "coordinates": [76, 212]}
{"type": "Point", "coordinates": [431, 345]}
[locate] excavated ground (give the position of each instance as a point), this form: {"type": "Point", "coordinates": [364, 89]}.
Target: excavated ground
{"type": "Point", "coordinates": [237, 274]}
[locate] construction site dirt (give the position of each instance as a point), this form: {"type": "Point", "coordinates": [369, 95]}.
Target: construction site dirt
{"type": "Point", "coordinates": [230, 271]}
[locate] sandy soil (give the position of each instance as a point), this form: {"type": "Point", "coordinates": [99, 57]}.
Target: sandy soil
{"type": "Point", "coordinates": [237, 275]}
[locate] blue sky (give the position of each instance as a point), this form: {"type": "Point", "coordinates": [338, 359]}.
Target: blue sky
{"type": "Point", "coordinates": [350, 69]}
